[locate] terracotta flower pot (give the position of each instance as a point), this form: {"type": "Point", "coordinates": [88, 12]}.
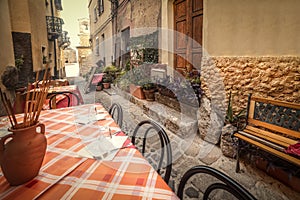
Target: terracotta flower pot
{"type": "Point", "coordinates": [137, 91]}
{"type": "Point", "coordinates": [149, 94]}
{"type": "Point", "coordinates": [106, 85]}
{"type": "Point", "coordinates": [99, 87]}
{"type": "Point", "coordinates": [22, 156]}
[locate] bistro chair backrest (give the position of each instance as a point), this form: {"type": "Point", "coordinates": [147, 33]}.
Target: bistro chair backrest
{"type": "Point", "coordinates": [149, 129]}
{"type": "Point", "coordinates": [228, 184]}
{"type": "Point", "coordinates": [72, 99]}
{"type": "Point", "coordinates": [116, 112]}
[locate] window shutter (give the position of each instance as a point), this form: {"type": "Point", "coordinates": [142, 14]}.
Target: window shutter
{"type": "Point", "coordinates": [100, 7]}
{"type": "Point", "coordinates": [58, 5]}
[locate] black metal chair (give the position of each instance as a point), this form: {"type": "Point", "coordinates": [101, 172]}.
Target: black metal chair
{"type": "Point", "coordinates": [116, 112]}
{"type": "Point", "coordinates": [228, 184]}
{"type": "Point", "coordinates": [146, 128]}
{"type": "Point", "coordinates": [69, 95]}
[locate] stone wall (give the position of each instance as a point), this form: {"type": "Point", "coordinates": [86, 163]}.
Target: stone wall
{"type": "Point", "coordinates": [274, 77]}
{"type": "Point", "coordinates": [139, 14]}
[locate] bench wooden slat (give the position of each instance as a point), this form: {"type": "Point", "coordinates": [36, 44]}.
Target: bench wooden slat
{"type": "Point", "coordinates": [276, 102]}
{"type": "Point", "coordinates": [278, 139]}
{"type": "Point", "coordinates": [263, 141]}
{"type": "Point", "coordinates": [274, 127]}
{"type": "Point", "coordinates": [271, 150]}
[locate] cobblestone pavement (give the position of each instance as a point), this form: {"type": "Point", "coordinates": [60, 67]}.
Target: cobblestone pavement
{"type": "Point", "coordinates": [254, 180]}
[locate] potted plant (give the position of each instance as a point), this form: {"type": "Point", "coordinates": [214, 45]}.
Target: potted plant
{"type": "Point", "coordinates": [233, 122]}
{"type": "Point", "coordinates": [106, 80]}
{"type": "Point", "coordinates": [137, 80]}
{"type": "Point", "coordinates": [111, 70]}
{"type": "Point", "coordinates": [137, 91]}
{"type": "Point", "coordinates": [149, 91]}
{"type": "Point", "coordinates": [99, 86]}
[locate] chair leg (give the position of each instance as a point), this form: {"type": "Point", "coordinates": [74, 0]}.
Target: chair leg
{"type": "Point", "coordinates": [237, 169]}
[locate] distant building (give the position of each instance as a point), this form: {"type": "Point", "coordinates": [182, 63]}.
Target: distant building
{"type": "Point", "coordinates": [84, 48]}
{"type": "Point", "coordinates": [70, 55]}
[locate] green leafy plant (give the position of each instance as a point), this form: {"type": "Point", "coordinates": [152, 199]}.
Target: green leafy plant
{"type": "Point", "coordinates": [100, 83]}
{"type": "Point", "coordinates": [19, 62]}
{"type": "Point", "coordinates": [149, 86]}
{"type": "Point", "coordinates": [231, 118]}
{"type": "Point", "coordinates": [110, 69]}
{"type": "Point", "coordinates": [107, 78]}
{"type": "Point", "coordinates": [137, 76]}
{"type": "Point", "coordinates": [123, 84]}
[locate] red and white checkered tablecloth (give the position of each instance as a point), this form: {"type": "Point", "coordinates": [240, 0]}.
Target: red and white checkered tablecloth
{"type": "Point", "coordinates": [65, 175]}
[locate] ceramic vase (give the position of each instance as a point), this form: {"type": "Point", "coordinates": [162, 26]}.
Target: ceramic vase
{"type": "Point", "coordinates": [22, 153]}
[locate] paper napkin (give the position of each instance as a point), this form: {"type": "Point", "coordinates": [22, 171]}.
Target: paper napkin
{"type": "Point", "coordinates": [103, 148]}
{"type": "Point", "coordinates": [86, 119]}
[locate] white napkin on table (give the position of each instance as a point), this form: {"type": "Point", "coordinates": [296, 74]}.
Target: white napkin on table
{"type": "Point", "coordinates": [88, 119]}
{"type": "Point", "coordinates": [4, 132]}
{"type": "Point", "coordinates": [103, 148]}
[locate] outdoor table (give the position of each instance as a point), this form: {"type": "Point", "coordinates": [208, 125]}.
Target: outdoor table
{"type": "Point", "coordinates": [67, 175]}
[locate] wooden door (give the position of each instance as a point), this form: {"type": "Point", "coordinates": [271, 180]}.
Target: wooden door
{"type": "Point", "coordinates": [188, 22]}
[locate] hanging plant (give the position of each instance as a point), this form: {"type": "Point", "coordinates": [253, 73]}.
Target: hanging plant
{"type": "Point", "coordinates": [19, 62]}
{"type": "Point", "coordinates": [10, 77]}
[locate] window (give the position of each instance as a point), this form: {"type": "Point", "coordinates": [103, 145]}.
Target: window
{"type": "Point", "coordinates": [97, 47]}
{"type": "Point", "coordinates": [102, 53]}
{"type": "Point", "coordinates": [58, 5]}
{"type": "Point", "coordinates": [100, 7]}
{"type": "Point", "coordinates": [125, 36]}
{"type": "Point", "coordinates": [125, 46]}
{"type": "Point", "coordinates": [95, 14]}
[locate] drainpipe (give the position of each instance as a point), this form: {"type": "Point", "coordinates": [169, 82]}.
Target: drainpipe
{"type": "Point", "coordinates": [54, 44]}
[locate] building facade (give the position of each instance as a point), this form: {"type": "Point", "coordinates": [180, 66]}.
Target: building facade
{"type": "Point", "coordinates": [31, 37]}
{"type": "Point", "coordinates": [240, 47]}
{"type": "Point", "coordinates": [30, 34]}
{"type": "Point", "coordinates": [101, 32]}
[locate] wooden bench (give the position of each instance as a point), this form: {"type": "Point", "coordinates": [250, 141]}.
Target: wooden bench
{"type": "Point", "coordinates": [272, 126]}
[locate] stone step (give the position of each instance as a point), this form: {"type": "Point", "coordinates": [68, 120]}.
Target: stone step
{"type": "Point", "coordinates": [179, 122]}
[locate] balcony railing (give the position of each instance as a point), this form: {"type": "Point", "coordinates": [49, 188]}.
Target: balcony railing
{"type": "Point", "coordinates": [64, 40]}
{"type": "Point", "coordinates": [54, 27]}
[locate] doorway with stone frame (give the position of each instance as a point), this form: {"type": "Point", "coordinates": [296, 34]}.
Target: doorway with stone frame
{"type": "Point", "coordinates": [188, 23]}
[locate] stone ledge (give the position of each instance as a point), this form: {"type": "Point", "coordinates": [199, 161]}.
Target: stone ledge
{"type": "Point", "coordinates": [176, 105]}
{"type": "Point", "coordinates": [177, 122]}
